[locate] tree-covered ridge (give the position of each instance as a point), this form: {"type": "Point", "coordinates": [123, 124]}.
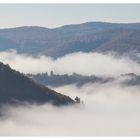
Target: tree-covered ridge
{"type": "Point", "coordinates": [16, 87]}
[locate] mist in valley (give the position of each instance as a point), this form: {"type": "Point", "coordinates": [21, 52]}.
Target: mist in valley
{"type": "Point", "coordinates": [109, 64]}
{"type": "Point", "coordinates": [109, 109]}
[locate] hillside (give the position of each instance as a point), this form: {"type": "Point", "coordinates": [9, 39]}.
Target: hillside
{"type": "Point", "coordinates": [56, 80]}
{"type": "Point", "coordinates": [16, 87]}
{"type": "Point", "coordinates": [86, 37]}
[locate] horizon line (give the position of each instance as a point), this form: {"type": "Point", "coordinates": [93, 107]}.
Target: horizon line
{"type": "Point", "coordinates": [70, 24]}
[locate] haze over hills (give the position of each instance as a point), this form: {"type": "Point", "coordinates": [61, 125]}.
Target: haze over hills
{"type": "Point", "coordinates": [86, 37]}
{"type": "Point", "coordinates": [105, 84]}
{"type": "Point", "coordinates": [56, 80]}
{"type": "Point", "coordinates": [16, 87]}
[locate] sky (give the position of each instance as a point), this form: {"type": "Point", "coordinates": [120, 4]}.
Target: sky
{"type": "Point", "coordinates": [55, 15]}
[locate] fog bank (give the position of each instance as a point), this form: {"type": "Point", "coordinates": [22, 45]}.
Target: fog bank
{"type": "Point", "coordinates": [81, 63]}
{"type": "Point", "coordinates": [109, 110]}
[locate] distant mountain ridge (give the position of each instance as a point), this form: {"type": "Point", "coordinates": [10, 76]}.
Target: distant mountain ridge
{"type": "Point", "coordinates": [56, 80]}
{"type": "Point", "coordinates": [86, 37]}
{"type": "Point", "coordinates": [16, 87]}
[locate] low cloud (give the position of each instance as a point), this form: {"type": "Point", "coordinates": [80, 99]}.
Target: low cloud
{"type": "Point", "coordinates": [82, 63]}
{"type": "Point", "coordinates": [109, 110]}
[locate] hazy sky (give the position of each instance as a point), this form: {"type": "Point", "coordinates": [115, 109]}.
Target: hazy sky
{"type": "Point", "coordinates": [53, 15]}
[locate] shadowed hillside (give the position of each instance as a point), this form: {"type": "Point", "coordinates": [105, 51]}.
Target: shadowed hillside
{"type": "Point", "coordinates": [15, 87]}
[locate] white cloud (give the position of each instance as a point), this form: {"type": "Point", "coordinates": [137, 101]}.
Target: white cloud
{"type": "Point", "coordinates": [82, 63]}
{"type": "Point", "coordinates": [109, 110]}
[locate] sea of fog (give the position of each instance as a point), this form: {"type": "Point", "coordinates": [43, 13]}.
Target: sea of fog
{"type": "Point", "coordinates": [109, 109]}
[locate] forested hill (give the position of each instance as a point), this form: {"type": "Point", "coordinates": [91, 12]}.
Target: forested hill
{"type": "Point", "coordinates": [16, 87]}
{"type": "Point", "coordinates": [86, 37]}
